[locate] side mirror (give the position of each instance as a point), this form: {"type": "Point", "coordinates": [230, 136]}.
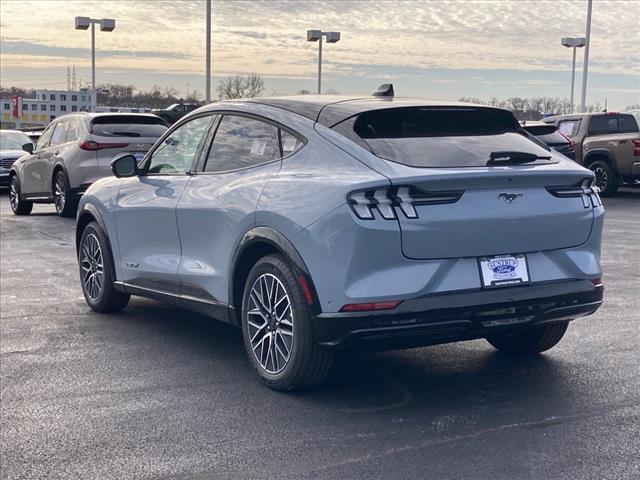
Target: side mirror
{"type": "Point", "coordinates": [124, 166]}
{"type": "Point", "coordinates": [28, 147]}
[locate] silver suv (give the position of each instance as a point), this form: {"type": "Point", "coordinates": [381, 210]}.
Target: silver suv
{"type": "Point", "coordinates": [322, 223]}
{"type": "Point", "coordinates": [73, 152]}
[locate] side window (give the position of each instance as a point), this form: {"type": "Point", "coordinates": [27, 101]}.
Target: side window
{"type": "Point", "coordinates": [603, 124]}
{"type": "Point", "coordinates": [177, 152]}
{"type": "Point", "coordinates": [73, 133]}
{"type": "Point", "coordinates": [43, 141]}
{"type": "Point", "coordinates": [60, 133]}
{"type": "Point", "coordinates": [242, 142]}
{"type": "Point", "coordinates": [290, 143]}
{"type": "Point", "coordinates": [569, 127]}
{"type": "Point", "coordinates": [627, 124]}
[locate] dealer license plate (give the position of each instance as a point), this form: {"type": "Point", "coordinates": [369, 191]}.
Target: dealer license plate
{"type": "Point", "coordinates": [504, 270]}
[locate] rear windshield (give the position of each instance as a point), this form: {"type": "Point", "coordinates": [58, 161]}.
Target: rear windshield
{"type": "Point", "coordinates": [128, 126]}
{"type": "Point", "coordinates": [439, 137]}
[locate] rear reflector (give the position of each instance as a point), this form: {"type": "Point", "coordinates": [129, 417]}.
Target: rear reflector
{"type": "Point", "coordinates": [367, 307]}
{"type": "Point", "coordinates": [306, 291]}
{"type": "Point", "coordinates": [597, 282]}
{"type": "Point", "coordinates": [92, 146]}
{"type": "Point", "coordinates": [636, 148]}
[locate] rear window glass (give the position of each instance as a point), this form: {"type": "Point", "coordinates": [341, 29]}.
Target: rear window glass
{"type": "Point", "coordinates": [128, 126]}
{"type": "Point", "coordinates": [440, 137]}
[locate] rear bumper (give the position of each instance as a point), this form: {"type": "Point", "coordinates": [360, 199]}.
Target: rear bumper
{"type": "Point", "coordinates": [453, 317]}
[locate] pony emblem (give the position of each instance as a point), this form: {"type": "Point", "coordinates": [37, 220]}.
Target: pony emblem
{"type": "Point", "coordinates": [509, 197]}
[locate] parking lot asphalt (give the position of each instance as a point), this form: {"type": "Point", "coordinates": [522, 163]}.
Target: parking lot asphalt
{"type": "Point", "coordinates": [158, 392]}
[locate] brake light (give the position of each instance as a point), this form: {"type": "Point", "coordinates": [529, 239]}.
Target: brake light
{"type": "Point", "coordinates": [388, 200]}
{"type": "Point", "coordinates": [586, 189]}
{"type": "Point", "coordinates": [92, 146]}
{"type": "Point", "coordinates": [636, 148]}
{"type": "Point", "coordinates": [367, 307]}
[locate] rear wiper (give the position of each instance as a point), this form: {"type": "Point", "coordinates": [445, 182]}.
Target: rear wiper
{"type": "Point", "coordinates": [514, 158]}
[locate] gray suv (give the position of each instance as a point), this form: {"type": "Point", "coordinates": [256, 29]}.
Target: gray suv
{"type": "Point", "coordinates": [73, 152]}
{"type": "Point", "coordinates": [321, 223]}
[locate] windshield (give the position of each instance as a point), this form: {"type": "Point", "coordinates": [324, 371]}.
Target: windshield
{"type": "Point", "coordinates": [442, 137]}
{"type": "Point", "coordinates": [13, 140]}
{"type": "Point", "coordinates": [128, 126]}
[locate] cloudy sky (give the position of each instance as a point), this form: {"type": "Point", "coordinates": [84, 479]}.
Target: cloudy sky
{"type": "Point", "coordinates": [439, 48]}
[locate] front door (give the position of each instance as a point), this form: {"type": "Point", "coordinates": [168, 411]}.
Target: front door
{"type": "Point", "coordinates": [146, 209]}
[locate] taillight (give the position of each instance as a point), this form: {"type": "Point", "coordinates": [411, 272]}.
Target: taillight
{"type": "Point", "coordinates": [370, 306]}
{"type": "Point", "coordinates": [586, 189]}
{"type": "Point", "coordinates": [92, 146]}
{"type": "Point", "coordinates": [388, 200]}
{"type": "Point", "coordinates": [636, 148]}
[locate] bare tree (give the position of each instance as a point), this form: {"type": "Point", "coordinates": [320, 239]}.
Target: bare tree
{"type": "Point", "coordinates": [304, 91]}
{"type": "Point", "coordinates": [235, 86]}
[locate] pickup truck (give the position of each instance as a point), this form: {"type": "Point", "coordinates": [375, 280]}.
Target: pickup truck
{"type": "Point", "coordinates": [606, 143]}
{"type": "Point", "coordinates": [176, 111]}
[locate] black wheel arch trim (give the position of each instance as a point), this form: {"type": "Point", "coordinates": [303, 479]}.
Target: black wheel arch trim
{"type": "Point", "coordinates": [263, 234]}
{"type": "Point", "coordinates": [600, 152]}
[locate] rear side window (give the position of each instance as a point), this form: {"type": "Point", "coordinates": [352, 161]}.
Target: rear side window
{"type": "Point", "coordinates": [439, 137]}
{"type": "Point", "coordinates": [128, 126]}
{"type": "Point", "coordinates": [607, 124]}
{"type": "Point", "coordinates": [570, 128]}
{"type": "Point", "coordinates": [73, 132]}
{"type": "Point", "coordinates": [60, 133]}
{"type": "Point", "coordinates": [242, 142]}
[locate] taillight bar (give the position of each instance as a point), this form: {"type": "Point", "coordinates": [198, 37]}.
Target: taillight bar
{"type": "Point", "coordinates": [636, 148]}
{"type": "Point", "coordinates": [370, 306]}
{"type": "Point", "coordinates": [388, 200]}
{"type": "Point", "coordinates": [92, 146]}
{"type": "Point", "coordinates": [586, 189]}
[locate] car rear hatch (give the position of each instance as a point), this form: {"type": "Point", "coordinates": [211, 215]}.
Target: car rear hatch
{"type": "Point", "coordinates": [452, 199]}
{"type": "Point", "coordinates": [112, 135]}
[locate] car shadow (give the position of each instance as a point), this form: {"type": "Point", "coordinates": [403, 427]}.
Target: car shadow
{"type": "Point", "coordinates": [443, 379]}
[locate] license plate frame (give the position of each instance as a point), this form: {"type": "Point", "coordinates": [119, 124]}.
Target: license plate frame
{"type": "Point", "coordinates": [498, 271]}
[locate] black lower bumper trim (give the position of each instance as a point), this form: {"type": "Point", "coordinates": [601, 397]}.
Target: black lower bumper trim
{"type": "Point", "coordinates": [458, 317]}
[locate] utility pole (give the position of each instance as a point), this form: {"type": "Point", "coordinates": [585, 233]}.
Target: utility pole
{"type": "Point", "coordinates": [583, 101]}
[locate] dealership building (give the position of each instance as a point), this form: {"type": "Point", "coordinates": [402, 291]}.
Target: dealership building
{"type": "Point", "coordinates": [46, 106]}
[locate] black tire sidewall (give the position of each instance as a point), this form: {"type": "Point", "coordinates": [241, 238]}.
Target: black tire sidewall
{"type": "Point", "coordinates": [94, 228]}
{"type": "Point", "coordinates": [302, 331]}
{"type": "Point", "coordinates": [69, 202]}
{"type": "Point", "coordinates": [22, 207]}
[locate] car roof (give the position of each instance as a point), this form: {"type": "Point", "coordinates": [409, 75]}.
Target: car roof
{"type": "Point", "coordinates": [6, 130]}
{"type": "Point", "coordinates": [330, 110]}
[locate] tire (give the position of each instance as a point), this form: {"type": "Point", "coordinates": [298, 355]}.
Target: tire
{"type": "Point", "coordinates": [606, 178]}
{"type": "Point", "coordinates": [306, 364]}
{"type": "Point", "coordinates": [94, 258]}
{"type": "Point", "coordinates": [66, 204]}
{"type": "Point", "coordinates": [18, 207]}
{"type": "Point", "coordinates": [530, 342]}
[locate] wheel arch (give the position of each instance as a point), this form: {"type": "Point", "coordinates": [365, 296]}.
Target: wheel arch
{"type": "Point", "coordinates": [600, 154]}
{"type": "Point", "coordinates": [255, 244]}
{"type": "Point", "coordinates": [88, 214]}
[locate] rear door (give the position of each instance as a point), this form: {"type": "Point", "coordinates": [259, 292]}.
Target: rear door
{"type": "Point", "coordinates": [459, 203]}
{"type": "Point", "coordinates": [146, 209]}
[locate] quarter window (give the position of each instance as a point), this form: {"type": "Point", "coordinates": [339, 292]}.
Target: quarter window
{"type": "Point", "coordinates": [242, 142]}
{"type": "Point", "coordinates": [290, 143]}
{"type": "Point", "coordinates": [178, 151]}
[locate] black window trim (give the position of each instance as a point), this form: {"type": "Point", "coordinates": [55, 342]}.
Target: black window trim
{"type": "Point", "coordinates": [221, 113]}
{"type": "Point", "coordinates": [147, 158]}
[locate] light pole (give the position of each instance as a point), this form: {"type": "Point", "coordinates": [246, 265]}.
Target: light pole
{"type": "Point", "coordinates": [207, 87]}
{"type": "Point", "coordinates": [316, 36]}
{"type": "Point", "coordinates": [573, 42]}
{"type": "Point", "coordinates": [583, 100]}
{"type": "Point", "coordinates": [106, 25]}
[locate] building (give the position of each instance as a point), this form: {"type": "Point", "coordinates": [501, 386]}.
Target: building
{"type": "Point", "coordinates": [47, 105]}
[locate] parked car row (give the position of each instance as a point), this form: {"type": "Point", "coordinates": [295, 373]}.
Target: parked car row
{"type": "Point", "coordinates": [320, 223]}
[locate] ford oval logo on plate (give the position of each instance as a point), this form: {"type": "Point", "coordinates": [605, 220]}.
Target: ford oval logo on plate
{"type": "Point", "coordinates": [503, 270]}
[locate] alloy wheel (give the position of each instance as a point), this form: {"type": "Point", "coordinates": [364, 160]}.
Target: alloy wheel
{"type": "Point", "coordinates": [270, 323]}
{"type": "Point", "coordinates": [92, 267]}
{"type": "Point", "coordinates": [602, 179]}
{"type": "Point", "coordinates": [60, 193]}
{"type": "Point", "coordinates": [13, 194]}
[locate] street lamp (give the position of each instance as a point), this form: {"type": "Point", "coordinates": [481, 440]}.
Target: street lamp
{"type": "Point", "coordinates": [316, 36]}
{"type": "Point", "coordinates": [106, 25]}
{"type": "Point", "coordinates": [573, 42]}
